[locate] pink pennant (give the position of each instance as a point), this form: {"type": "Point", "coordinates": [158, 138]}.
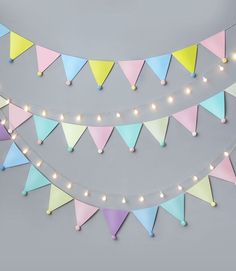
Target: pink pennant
{"type": "Point", "coordinates": [17, 116]}
{"type": "Point", "coordinates": [45, 58]}
{"type": "Point", "coordinates": [224, 170]}
{"type": "Point", "coordinates": [100, 136]}
{"type": "Point", "coordinates": [132, 70]}
{"type": "Point", "coordinates": [83, 213]}
{"type": "Point", "coordinates": [188, 118]}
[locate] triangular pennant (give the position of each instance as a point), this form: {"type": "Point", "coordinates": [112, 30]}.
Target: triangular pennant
{"type": "Point", "coordinates": [176, 207]}
{"type": "Point", "coordinates": [17, 116]}
{"type": "Point", "coordinates": [45, 58]}
{"type": "Point", "coordinates": [216, 44]}
{"type": "Point", "coordinates": [187, 57]}
{"type": "Point", "coordinates": [231, 90]}
{"type": "Point", "coordinates": [132, 70]}
{"type": "Point", "coordinates": [114, 219]}
{"type": "Point", "coordinates": [147, 218]}
{"type": "Point", "coordinates": [34, 181]}
{"type": "Point", "coordinates": [14, 158]}
{"type": "Point", "coordinates": [57, 199]}
{"type": "Point", "coordinates": [18, 45]}
{"type": "Point", "coordinates": [130, 134]}
{"type": "Point", "coordinates": [224, 170]}
{"type": "Point", "coordinates": [3, 133]}
{"type": "Point", "coordinates": [44, 127]}
{"type": "Point", "coordinates": [160, 66]}
{"type": "Point", "coordinates": [3, 30]}
{"type": "Point", "coordinates": [202, 190]}
{"type": "Point", "coordinates": [100, 136]}
{"type": "Point", "coordinates": [3, 102]}
{"type": "Point", "coordinates": [216, 105]}
{"type": "Point", "coordinates": [83, 213]}
{"type": "Point", "coordinates": [188, 118]}
{"type": "Point", "coordinates": [100, 70]}
{"type": "Point", "coordinates": [158, 129]}
{"type": "Point", "coordinates": [72, 66]}
{"type": "Point", "coordinates": [72, 133]}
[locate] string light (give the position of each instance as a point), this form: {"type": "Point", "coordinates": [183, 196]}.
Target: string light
{"type": "Point", "coordinates": [162, 195]}
{"type": "Point", "coordinates": [221, 68]}
{"type": "Point", "coordinates": [104, 198]}
{"type": "Point", "coordinates": [135, 111]}
{"type": "Point", "coordinates": [118, 115]}
{"type": "Point", "coordinates": [179, 187]}
{"type": "Point", "coordinates": [204, 79]}
{"type": "Point", "coordinates": [25, 150]}
{"type": "Point", "coordinates": [44, 113]}
{"type": "Point", "coordinates": [54, 176]}
{"type": "Point", "coordinates": [123, 200]}
{"type": "Point", "coordinates": [78, 118]}
{"type": "Point", "coordinates": [211, 167]}
{"type": "Point", "coordinates": [187, 91]}
{"type": "Point", "coordinates": [26, 108]}
{"type": "Point", "coordinates": [170, 99]}
{"type": "Point", "coordinates": [99, 118]}
{"type": "Point", "coordinates": [3, 122]}
{"type": "Point", "coordinates": [86, 193]}
{"type": "Point", "coordinates": [226, 154]}
{"type": "Point", "coordinates": [62, 117]}
{"type": "Point", "coordinates": [141, 199]}
{"type": "Point", "coordinates": [195, 178]}
{"type": "Point", "coordinates": [39, 163]}
{"type": "Point", "coordinates": [153, 106]}
{"type": "Point", "coordinates": [69, 185]}
{"type": "Point", "coordinates": [234, 56]}
{"type": "Point", "coordinates": [13, 137]}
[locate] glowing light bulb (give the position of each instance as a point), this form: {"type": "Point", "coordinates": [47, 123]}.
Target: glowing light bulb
{"type": "Point", "coordinates": [44, 113]}
{"type": "Point", "coordinates": [153, 106]}
{"type": "Point", "coordinates": [141, 199]}
{"type": "Point", "coordinates": [170, 99]}
{"type": "Point", "coordinates": [13, 137]}
{"type": "Point", "coordinates": [62, 117]}
{"type": "Point", "coordinates": [26, 108]}
{"type": "Point", "coordinates": [39, 163]}
{"type": "Point", "coordinates": [162, 195]}
{"type": "Point", "coordinates": [226, 154]}
{"type": "Point", "coordinates": [86, 193]}
{"type": "Point", "coordinates": [8, 101]}
{"type": "Point", "coordinates": [99, 118]}
{"type": "Point", "coordinates": [135, 111]}
{"type": "Point", "coordinates": [3, 122]}
{"type": "Point", "coordinates": [25, 150]}
{"type": "Point", "coordinates": [104, 198]}
{"type": "Point", "coordinates": [234, 56]}
{"type": "Point", "coordinates": [179, 187]}
{"type": "Point", "coordinates": [221, 68]}
{"type": "Point", "coordinates": [69, 185]}
{"type": "Point", "coordinates": [123, 200]}
{"type": "Point", "coordinates": [78, 118]}
{"type": "Point", "coordinates": [54, 176]}
{"type": "Point", "coordinates": [118, 115]}
{"type": "Point", "coordinates": [204, 79]}
{"type": "Point", "coordinates": [195, 178]}
{"type": "Point", "coordinates": [211, 167]}
{"type": "Point", "coordinates": [187, 91]}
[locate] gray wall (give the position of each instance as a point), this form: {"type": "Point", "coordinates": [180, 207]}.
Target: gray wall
{"type": "Point", "coordinates": [31, 240]}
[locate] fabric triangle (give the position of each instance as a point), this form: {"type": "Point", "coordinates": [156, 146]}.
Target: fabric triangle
{"type": "Point", "coordinates": [114, 219]}
{"type": "Point", "coordinates": [18, 45]}
{"type": "Point", "coordinates": [231, 90]}
{"type": "Point", "coordinates": [132, 70]}
{"type": "Point", "coordinates": [187, 57]}
{"type": "Point", "coordinates": [147, 218]}
{"type": "Point", "coordinates": [72, 66]}
{"type": "Point", "coordinates": [14, 158]}
{"type": "Point", "coordinates": [3, 30]}
{"type": "Point", "coordinates": [17, 116]}
{"type": "Point", "coordinates": [158, 129]}
{"type": "Point", "coordinates": [101, 70]}
{"type": "Point", "coordinates": [224, 170]}
{"type": "Point", "coordinates": [100, 136]}
{"type": "Point", "coordinates": [44, 127]}
{"type": "Point", "coordinates": [45, 58]}
{"type": "Point", "coordinates": [188, 118]}
{"type": "Point", "coordinates": [202, 190]}
{"type": "Point", "coordinates": [34, 181]}
{"type": "Point", "coordinates": [73, 133]}
{"type": "Point", "coordinates": [83, 213]}
{"type": "Point", "coordinates": [57, 199]}
{"type": "Point", "coordinates": [130, 134]}
{"type": "Point", "coordinates": [216, 105]}
{"type": "Point", "coordinates": [3, 102]}
{"type": "Point", "coordinates": [3, 133]}
{"type": "Point", "coordinates": [176, 207]}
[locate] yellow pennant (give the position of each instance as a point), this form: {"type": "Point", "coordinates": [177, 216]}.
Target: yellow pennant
{"type": "Point", "coordinates": [3, 102]}
{"type": "Point", "coordinates": [18, 45]}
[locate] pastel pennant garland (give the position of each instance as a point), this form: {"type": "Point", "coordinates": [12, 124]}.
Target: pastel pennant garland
{"type": "Point", "coordinates": [114, 219]}
{"type": "Point", "coordinates": [3, 102]}
{"type": "Point", "coordinates": [101, 70]}
{"type": "Point", "coordinates": [57, 199]}
{"type": "Point", "coordinates": [147, 218]}
{"type": "Point", "coordinates": [72, 66]}
{"type": "Point", "coordinates": [45, 57]}
{"type": "Point", "coordinates": [158, 129]}
{"type": "Point", "coordinates": [202, 190]}
{"type": "Point", "coordinates": [188, 118]}
{"type": "Point", "coordinates": [132, 70]}
{"type": "Point", "coordinates": [100, 136]}
{"type": "Point", "coordinates": [35, 180]}
{"type": "Point", "coordinates": [187, 57]}
{"type": "Point", "coordinates": [130, 134]}
{"type": "Point", "coordinates": [3, 30]}
{"type": "Point", "coordinates": [83, 213]}
{"type": "Point", "coordinates": [4, 135]}
{"type": "Point", "coordinates": [73, 133]}
{"type": "Point", "coordinates": [160, 66]}
{"type": "Point", "coordinates": [176, 207]}
{"type": "Point", "coordinates": [231, 90]}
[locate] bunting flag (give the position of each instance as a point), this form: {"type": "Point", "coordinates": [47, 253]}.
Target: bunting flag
{"type": "Point", "coordinates": [3, 133]}
{"type": "Point", "coordinates": [101, 70]}
{"type": "Point", "coordinates": [147, 218]}
{"type": "Point", "coordinates": [187, 57]}
{"type": "Point", "coordinates": [57, 199]}
{"type": "Point", "coordinates": [130, 134]}
{"type": "Point", "coordinates": [132, 70]}
{"type": "Point", "coordinates": [114, 219]}
{"type": "Point", "coordinates": [14, 158]}
{"type": "Point", "coordinates": [224, 170]}
{"type": "Point", "coordinates": [216, 105]}
{"type": "Point", "coordinates": [231, 90]}
{"type": "Point", "coordinates": [3, 30]}
{"type": "Point", "coordinates": [18, 45]}
{"type": "Point", "coordinates": [160, 66]}
{"type": "Point", "coordinates": [83, 213]}
{"type": "Point", "coordinates": [158, 129]}
{"type": "Point", "coordinates": [17, 116]}
{"type": "Point", "coordinates": [100, 136]}
{"type": "Point", "coordinates": [34, 181]}
{"type": "Point", "coordinates": [45, 57]}
{"type": "Point", "coordinates": [44, 127]}
{"type": "Point", "coordinates": [202, 190]}
{"type": "Point", "coordinates": [72, 66]}
{"type": "Point", "coordinates": [73, 133]}
{"type": "Point", "coordinates": [216, 45]}
{"type": "Point", "coordinates": [188, 118]}
{"type": "Point", "coordinates": [176, 207]}
{"type": "Point", "coordinates": [3, 102]}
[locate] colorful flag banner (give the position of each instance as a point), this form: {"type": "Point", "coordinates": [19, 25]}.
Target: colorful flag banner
{"type": "Point", "coordinates": [3, 133]}
{"type": "Point", "coordinates": [100, 136]}
{"type": "Point", "coordinates": [3, 102]}
{"type": "Point", "coordinates": [3, 30]}
{"type": "Point", "coordinates": [231, 90]}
